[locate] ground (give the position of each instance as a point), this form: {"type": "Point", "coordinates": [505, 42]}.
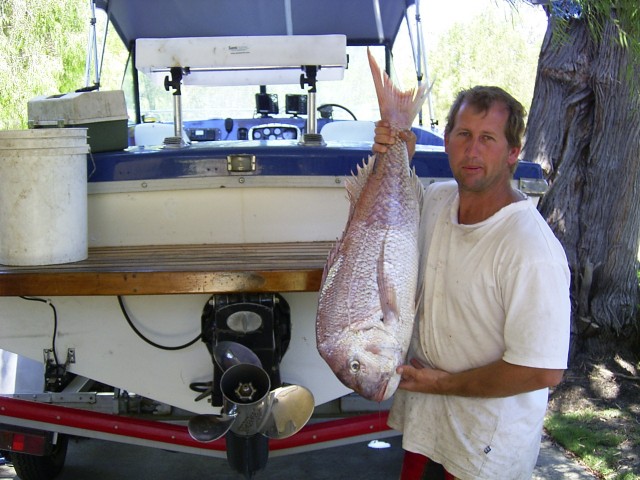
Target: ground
{"type": "Point", "coordinates": [607, 388]}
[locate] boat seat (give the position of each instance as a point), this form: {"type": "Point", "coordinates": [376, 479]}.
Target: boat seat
{"type": "Point", "coordinates": [349, 131]}
{"type": "Point", "coordinates": [154, 133]}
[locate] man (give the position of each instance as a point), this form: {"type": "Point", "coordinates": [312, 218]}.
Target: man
{"type": "Point", "coordinates": [492, 322]}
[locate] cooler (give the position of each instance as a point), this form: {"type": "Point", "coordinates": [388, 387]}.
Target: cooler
{"type": "Point", "coordinates": [104, 114]}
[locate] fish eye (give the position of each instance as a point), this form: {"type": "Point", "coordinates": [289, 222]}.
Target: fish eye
{"type": "Point", "coordinates": [354, 366]}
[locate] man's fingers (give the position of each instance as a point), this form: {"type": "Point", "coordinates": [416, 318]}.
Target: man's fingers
{"type": "Point", "coordinates": [416, 363]}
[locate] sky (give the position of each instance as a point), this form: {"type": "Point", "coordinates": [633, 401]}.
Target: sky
{"type": "Point", "coordinates": [439, 15]}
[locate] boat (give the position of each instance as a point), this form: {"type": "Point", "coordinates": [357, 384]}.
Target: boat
{"type": "Point", "coordinates": [206, 240]}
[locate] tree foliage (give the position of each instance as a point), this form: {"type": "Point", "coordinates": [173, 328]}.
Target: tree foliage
{"type": "Point", "coordinates": [613, 21]}
{"type": "Point", "coordinates": [491, 49]}
{"type": "Point", "coordinates": [42, 52]}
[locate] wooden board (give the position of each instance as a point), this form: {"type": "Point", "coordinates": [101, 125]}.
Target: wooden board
{"type": "Point", "coordinates": [175, 269]}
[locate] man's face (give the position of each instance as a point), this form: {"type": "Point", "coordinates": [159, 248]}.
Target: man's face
{"type": "Point", "coordinates": [479, 154]}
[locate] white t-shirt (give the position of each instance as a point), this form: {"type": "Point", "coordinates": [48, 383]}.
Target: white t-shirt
{"type": "Point", "coordinates": [498, 289]}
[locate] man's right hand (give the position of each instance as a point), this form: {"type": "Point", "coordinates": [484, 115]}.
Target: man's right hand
{"type": "Point", "coordinates": [384, 138]}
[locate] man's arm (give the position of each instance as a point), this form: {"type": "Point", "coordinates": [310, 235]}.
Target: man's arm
{"type": "Point", "coordinates": [498, 379]}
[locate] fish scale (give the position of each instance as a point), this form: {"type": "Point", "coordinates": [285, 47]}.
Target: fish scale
{"type": "Point", "coordinates": [366, 304]}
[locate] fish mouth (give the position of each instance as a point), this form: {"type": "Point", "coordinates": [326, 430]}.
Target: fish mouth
{"type": "Point", "coordinates": [389, 387]}
{"type": "Point", "coordinates": [372, 394]}
{"type": "Point", "coordinates": [380, 396]}
{"type": "Point", "coordinates": [373, 390]}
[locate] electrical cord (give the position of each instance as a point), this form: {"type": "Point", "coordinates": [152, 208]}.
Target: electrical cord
{"type": "Point", "coordinates": [55, 324]}
{"type": "Point", "coordinates": [326, 110]}
{"type": "Point", "coordinates": [151, 342]}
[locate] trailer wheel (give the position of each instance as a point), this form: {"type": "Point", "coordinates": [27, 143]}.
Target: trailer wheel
{"type": "Point", "coordinates": [47, 467]}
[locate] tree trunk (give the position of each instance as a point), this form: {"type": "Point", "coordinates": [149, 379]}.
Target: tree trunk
{"type": "Point", "coordinates": [584, 129]}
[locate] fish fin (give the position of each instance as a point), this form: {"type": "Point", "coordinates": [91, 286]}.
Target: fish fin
{"type": "Point", "coordinates": [331, 260]}
{"type": "Point", "coordinates": [357, 181]}
{"type": "Point", "coordinates": [396, 107]}
{"type": "Point", "coordinates": [353, 186]}
{"type": "Point", "coordinates": [419, 291]}
{"type": "Point", "coordinates": [419, 189]}
{"type": "Point", "coordinates": [388, 297]}
{"type": "Point", "coordinates": [420, 280]}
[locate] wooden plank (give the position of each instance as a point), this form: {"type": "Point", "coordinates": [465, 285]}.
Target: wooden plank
{"type": "Point", "coordinates": [175, 269]}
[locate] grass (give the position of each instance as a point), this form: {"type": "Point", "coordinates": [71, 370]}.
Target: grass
{"type": "Point", "coordinates": [597, 437]}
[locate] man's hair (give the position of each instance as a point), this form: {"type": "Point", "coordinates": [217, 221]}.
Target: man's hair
{"type": "Point", "coordinates": [483, 98]}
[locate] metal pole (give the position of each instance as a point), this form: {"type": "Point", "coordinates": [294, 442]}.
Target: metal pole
{"type": "Point", "coordinates": [422, 59]}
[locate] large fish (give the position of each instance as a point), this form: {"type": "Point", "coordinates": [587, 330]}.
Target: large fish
{"type": "Point", "coordinates": [366, 305]}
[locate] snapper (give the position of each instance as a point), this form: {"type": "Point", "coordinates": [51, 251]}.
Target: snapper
{"type": "Point", "coordinates": [367, 298]}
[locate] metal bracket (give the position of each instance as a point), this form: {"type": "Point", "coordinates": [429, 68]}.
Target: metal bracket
{"type": "Point", "coordinates": [50, 358]}
{"type": "Point", "coordinates": [71, 356]}
{"type": "Point", "coordinates": [56, 375]}
{"type": "Point", "coordinates": [241, 163]}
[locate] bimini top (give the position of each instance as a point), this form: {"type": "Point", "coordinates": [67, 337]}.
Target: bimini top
{"type": "Point", "coordinates": [364, 22]}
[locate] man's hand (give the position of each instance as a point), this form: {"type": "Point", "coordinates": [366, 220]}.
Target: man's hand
{"type": "Point", "coordinates": [383, 138]}
{"type": "Point", "coordinates": [498, 379]}
{"type": "Point", "coordinates": [417, 378]}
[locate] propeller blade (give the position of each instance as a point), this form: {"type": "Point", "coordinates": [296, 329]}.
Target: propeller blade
{"type": "Point", "coordinates": [291, 408]}
{"type": "Point", "coordinates": [207, 428]}
{"type": "Point", "coordinates": [246, 389]}
{"type": "Point", "coordinates": [227, 354]}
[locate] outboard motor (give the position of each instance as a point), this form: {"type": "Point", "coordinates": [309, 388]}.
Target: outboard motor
{"type": "Point", "coordinates": [260, 322]}
{"type": "Point", "coordinates": [247, 335]}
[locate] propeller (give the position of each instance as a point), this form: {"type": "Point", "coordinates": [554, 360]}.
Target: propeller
{"type": "Point", "coordinates": [207, 428]}
{"type": "Point", "coordinates": [249, 406]}
{"type": "Point", "coordinates": [290, 410]}
{"type": "Point", "coordinates": [227, 354]}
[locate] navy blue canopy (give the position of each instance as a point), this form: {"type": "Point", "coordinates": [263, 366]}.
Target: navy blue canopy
{"type": "Point", "coordinates": [360, 20]}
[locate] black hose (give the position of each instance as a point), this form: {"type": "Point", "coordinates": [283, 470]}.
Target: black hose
{"type": "Point", "coordinates": [151, 342]}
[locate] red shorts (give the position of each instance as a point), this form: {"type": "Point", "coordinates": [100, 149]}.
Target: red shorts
{"type": "Point", "coordinates": [419, 467]}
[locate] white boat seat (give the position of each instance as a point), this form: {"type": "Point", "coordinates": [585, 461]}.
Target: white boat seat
{"type": "Point", "coordinates": [153, 133]}
{"type": "Point", "coordinates": [349, 131]}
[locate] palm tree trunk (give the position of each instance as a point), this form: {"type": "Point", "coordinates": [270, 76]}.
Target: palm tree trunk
{"type": "Point", "coordinates": [584, 129]}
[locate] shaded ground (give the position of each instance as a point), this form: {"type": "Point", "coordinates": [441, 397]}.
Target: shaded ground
{"type": "Point", "coordinates": [610, 387]}
{"type": "Point", "coordinates": [102, 460]}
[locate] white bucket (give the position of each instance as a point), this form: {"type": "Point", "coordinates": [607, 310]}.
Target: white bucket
{"type": "Point", "coordinates": [43, 197]}
{"type": "Point", "coordinates": [43, 138]}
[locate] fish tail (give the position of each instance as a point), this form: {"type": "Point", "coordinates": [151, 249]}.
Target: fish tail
{"type": "Point", "coordinates": [396, 107]}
